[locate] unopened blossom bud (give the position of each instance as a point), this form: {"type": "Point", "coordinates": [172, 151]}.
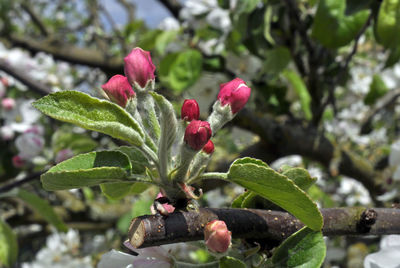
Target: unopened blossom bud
{"type": "Point", "coordinates": [18, 162]}
{"type": "Point", "coordinates": [209, 147]}
{"type": "Point", "coordinates": [167, 207]}
{"type": "Point", "coordinates": [118, 90]}
{"type": "Point", "coordinates": [235, 93]}
{"type": "Point", "coordinates": [217, 236]}
{"type": "Point", "coordinates": [139, 67]}
{"type": "Point", "coordinates": [197, 134]}
{"type": "Point", "coordinates": [8, 103]}
{"type": "Point", "coordinates": [190, 110]}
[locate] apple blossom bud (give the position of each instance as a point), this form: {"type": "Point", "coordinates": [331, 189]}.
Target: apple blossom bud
{"type": "Point", "coordinates": [190, 110]}
{"type": "Point", "coordinates": [235, 93]}
{"type": "Point", "coordinates": [197, 134]}
{"type": "Point", "coordinates": [17, 161]}
{"type": "Point", "coordinates": [139, 67]}
{"type": "Point", "coordinates": [8, 103]}
{"type": "Point", "coordinates": [217, 236]}
{"type": "Point", "coordinates": [209, 147]}
{"type": "Point", "coordinates": [118, 90]}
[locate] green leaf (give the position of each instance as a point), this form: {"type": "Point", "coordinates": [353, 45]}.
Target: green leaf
{"type": "Point", "coordinates": [87, 170]}
{"type": "Point", "coordinates": [278, 189]}
{"type": "Point", "coordinates": [183, 69]}
{"type": "Point", "coordinates": [119, 190]}
{"type": "Point", "coordinates": [267, 24]}
{"type": "Point", "coordinates": [393, 58]}
{"type": "Point", "coordinates": [388, 24]}
{"type": "Point", "coordinates": [163, 39]}
{"type": "Point", "coordinates": [332, 27]}
{"type": "Point", "coordinates": [138, 161]}
{"type": "Point", "coordinates": [377, 89]}
{"type": "Point", "coordinates": [231, 262]}
{"type": "Point", "coordinates": [277, 59]}
{"type": "Point", "coordinates": [246, 6]}
{"type": "Point", "coordinates": [169, 126]}
{"type": "Point", "coordinates": [91, 113]}
{"type": "Point", "coordinates": [237, 202]}
{"type": "Point", "coordinates": [305, 248]}
{"type": "Point", "coordinates": [300, 177]}
{"type": "Point", "coordinates": [8, 245]}
{"type": "Point", "coordinates": [249, 160]}
{"type": "Point", "coordinates": [43, 208]}
{"type": "Point", "coordinates": [301, 91]}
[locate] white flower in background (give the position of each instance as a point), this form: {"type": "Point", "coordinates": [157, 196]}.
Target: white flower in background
{"type": "Point", "coordinates": [169, 24]}
{"type": "Point", "coordinates": [22, 117]}
{"type": "Point", "coordinates": [6, 133]}
{"type": "Point", "coordinates": [354, 191]}
{"type": "Point", "coordinates": [29, 145]}
{"type": "Point", "coordinates": [193, 8]}
{"type": "Point", "coordinates": [387, 256]}
{"type": "Point", "coordinates": [394, 159]}
{"type": "Point", "coordinates": [147, 258]}
{"type": "Point", "coordinates": [219, 19]}
{"type": "Point", "coordinates": [61, 251]}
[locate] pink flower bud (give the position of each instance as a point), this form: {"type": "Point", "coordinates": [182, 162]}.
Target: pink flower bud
{"type": "Point", "coordinates": [235, 93]}
{"type": "Point", "coordinates": [138, 67]}
{"type": "Point", "coordinates": [190, 110]}
{"type": "Point", "coordinates": [217, 236]}
{"type": "Point", "coordinates": [197, 134]}
{"type": "Point", "coordinates": [118, 90]}
{"type": "Point", "coordinates": [18, 162]}
{"type": "Point", "coordinates": [209, 147]}
{"type": "Point", "coordinates": [8, 103]}
{"type": "Point", "coordinates": [168, 207]}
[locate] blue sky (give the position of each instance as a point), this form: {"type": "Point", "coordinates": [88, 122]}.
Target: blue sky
{"type": "Point", "coordinates": [151, 11]}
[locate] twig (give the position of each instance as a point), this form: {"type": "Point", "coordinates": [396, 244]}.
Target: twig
{"type": "Point", "coordinates": [154, 230]}
{"type": "Point", "coordinates": [33, 85]}
{"type": "Point", "coordinates": [12, 185]}
{"type": "Point", "coordinates": [36, 19]}
{"type": "Point", "coordinates": [173, 6]}
{"type": "Point", "coordinates": [383, 103]}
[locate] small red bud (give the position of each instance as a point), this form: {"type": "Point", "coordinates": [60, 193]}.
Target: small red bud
{"type": "Point", "coordinates": [209, 147]}
{"type": "Point", "coordinates": [235, 93]}
{"type": "Point", "coordinates": [139, 67]}
{"type": "Point", "coordinates": [190, 110]}
{"type": "Point", "coordinates": [217, 236]}
{"type": "Point", "coordinates": [197, 134]}
{"type": "Point", "coordinates": [118, 90]}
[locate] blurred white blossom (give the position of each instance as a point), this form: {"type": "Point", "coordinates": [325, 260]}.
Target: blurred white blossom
{"type": "Point", "coordinates": [388, 255]}
{"type": "Point", "coordinates": [61, 251]}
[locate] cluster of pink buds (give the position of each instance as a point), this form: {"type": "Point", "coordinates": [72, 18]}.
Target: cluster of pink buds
{"type": "Point", "coordinates": [217, 236]}
{"type": "Point", "coordinates": [139, 73]}
{"type": "Point", "coordinates": [197, 134]}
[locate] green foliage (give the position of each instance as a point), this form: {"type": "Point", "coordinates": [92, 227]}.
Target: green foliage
{"type": "Point", "coordinates": [119, 190]}
{"type": "Point", "coordinates": [163, 39]}
{"type": "Point", "coordinates": [91, 113]}
{"type": "Point", "coordinates": [277, 60]}
{"type": "Point", "coordinates": [377, 89]}
{"type": "Point", "coordinates": [231, 262]}
{"type": "Point", "coordinates": [138, 161]}
{"type": "Point", "coordinates": [181, 70]}
{"type": "Point", "coordinates": [278, 189]}
{"type": "Point", "coordinates": [305, 248]}
{"type": "Point", "coordinates": [43, 208]}
{"type": "Point", "coordinates": [332, 27]}
{"type": "Point", "coordinates": [64, 138]}
{"type": "Point", "coordinates": [299, 176]}
{"type": "Point", "coordinates": [88, 170]}
{"type": "Point", "coordinates": [8, 245]}
{"type": "Point", "coordinates": [301, 90]}
{"type": "Point", "coordinates": [387, 28]}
